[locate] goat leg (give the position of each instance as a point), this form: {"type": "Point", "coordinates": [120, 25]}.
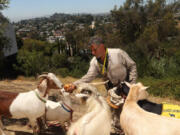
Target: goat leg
{"type": "Point", "coordinates": [1, 128]}
{"type": "Point", "coordinates": [34, 125]}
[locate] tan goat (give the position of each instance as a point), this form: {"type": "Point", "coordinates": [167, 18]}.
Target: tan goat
{"type": "Point", "coordinates": [97, 119]}
{"type": "Point", "coordinates": [136, 121]}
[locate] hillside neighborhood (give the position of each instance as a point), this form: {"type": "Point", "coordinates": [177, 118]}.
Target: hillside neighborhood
{"type": "Point", "coordinates": [55, 27]}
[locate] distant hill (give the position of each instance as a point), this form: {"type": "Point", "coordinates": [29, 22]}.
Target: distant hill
{"type": "Point", "coordinates": [63, 17]}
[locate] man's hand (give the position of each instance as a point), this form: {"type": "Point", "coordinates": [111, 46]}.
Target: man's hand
{"type": "Point", "coordinates": [69, 87]}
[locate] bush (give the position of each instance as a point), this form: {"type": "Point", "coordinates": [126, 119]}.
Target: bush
{"type": "Point", "coordinates": [164, 87]}
{"type": "Point", "coordinates": [31, 63]}
{"type": "Point", "coordinates": [78, 67]}
{"type": "Point", "coordinates": [157, 67]}
{"type": "Point", "coordinates": [62, 71]}
{"type": "Point", "coordinates": [59, 61]}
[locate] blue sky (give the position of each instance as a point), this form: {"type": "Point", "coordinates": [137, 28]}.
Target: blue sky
{"type": "Point", "coordinates": [22, 9]}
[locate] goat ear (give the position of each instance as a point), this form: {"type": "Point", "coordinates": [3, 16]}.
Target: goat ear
{"type": "Point", "coordinates": [143, 94]}
{"type": "Point", "coordinates": [43, 85]}
{"type": "Point", "coordinates": [128, 84]}
{"type": "Point", "coordinates": [145, 88]}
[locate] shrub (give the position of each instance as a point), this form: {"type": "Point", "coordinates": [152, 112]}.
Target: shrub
{"type": "Point", "coordinates": [31, 63]}
{"type": "Point", "coordinates": [62, 71]}
{"type": "Point", "coordinates": [78, 67]}
{"type": "Point", "coordinates": [164, 87]}
{"type": "Point", "coordinates": [157, 67]}
{"type": "Point", "coordinates": [59, 61]}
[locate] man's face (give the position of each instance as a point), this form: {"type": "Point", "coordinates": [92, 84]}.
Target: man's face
{"type": "Point", "coordinates": [97, 50]}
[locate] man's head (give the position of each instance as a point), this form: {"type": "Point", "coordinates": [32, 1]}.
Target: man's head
{"type": "Point", "coordinates": [97, 47]}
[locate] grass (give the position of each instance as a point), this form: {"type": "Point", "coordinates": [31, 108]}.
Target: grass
{"type": "Point", "coordinates": [166, 87]}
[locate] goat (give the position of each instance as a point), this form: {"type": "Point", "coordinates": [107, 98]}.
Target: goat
{"type": "Point", "coordinates": [97, 119]}
{"type": "Point", "coordinates": [147, 105]}
{"type": "Point", "coordinates": [136, 121]}
{"type": "Point", "coordinates": [30, 104]}
{"type": "Point", "coordinates": [60, 111]}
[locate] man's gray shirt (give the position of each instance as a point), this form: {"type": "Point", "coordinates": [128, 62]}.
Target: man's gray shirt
{"type": "Point", "coordinates": [120, 67]}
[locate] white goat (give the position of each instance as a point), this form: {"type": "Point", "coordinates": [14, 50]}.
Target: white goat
{"type": "Point", "coordinates": [60, 111]}
{"type": "Point", "coordinates": [30, 104]}
{"type": "Point", "coordinates": [136, 121]}
{"type": "Point", "coordinates": [97, 119]}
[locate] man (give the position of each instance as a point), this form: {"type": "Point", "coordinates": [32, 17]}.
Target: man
{"type": "Point", "coordinates": [114, 65]}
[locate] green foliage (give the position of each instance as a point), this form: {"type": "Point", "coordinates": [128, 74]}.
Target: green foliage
{"type": "Point", "coordinates": [164, 87]}
{"type": "Point", "coordinates": [59, 60]}
{"type": "Point", "coordinates": [148, 41]}
{"type": "Point", "coordinates": [148, 32]}
{"type": "Point", "coordinates": [3, 4]}
{"type": "Point", "coordinates": [31, 44]}
{"type": "Point", "coordinates": [31, 59]}
{"type": "Point", "coordinates": [136, 18]}
{"type": "Point", "coordinates": [78, 67]}
{"type": "Point", "coordinates": [36, 57]}
{"type": "Point", "coordinates": [62, 71]}
{"type": "Point", "coordinates": [156, 67]}
{"type": "Point", "coordinates": [31, 63]}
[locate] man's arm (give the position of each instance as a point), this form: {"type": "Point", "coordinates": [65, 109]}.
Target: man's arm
{"type": "Point", "coordinates": [131, 67]}
{"type": "Point", "coordinates": [91, 74]}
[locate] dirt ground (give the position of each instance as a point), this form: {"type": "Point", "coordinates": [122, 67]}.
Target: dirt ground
{"type": "Point", "coordinates": [21, 84]}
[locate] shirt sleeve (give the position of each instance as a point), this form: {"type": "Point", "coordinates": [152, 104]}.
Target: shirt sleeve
{"type": "Point", "coordinates": [91, 74]}
{"type": "Point", "coordinates": [131, 67]}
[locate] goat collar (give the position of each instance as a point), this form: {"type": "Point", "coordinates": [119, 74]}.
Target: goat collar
{"type": "Point", "coordinates": [39, 97]}
{"type": "Point", "coordinates": [111, 104]}
{"type": "Point", "coordinates": [67, 108]}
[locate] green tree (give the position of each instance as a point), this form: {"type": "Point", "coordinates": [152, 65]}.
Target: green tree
{"type": "Point", "coordinates": [147, 30]}
{"type": "Point", "coordinates": [3, 4]}
{"type": "Point", "coordinates": [31, 63]}
{"type": "Point", "coordinates": [71, 43]}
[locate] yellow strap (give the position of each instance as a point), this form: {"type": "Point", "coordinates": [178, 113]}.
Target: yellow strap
{"type": "Point", "coordinates": [104, 63]}
{"type": "Point", "coordinates": [171, 110]}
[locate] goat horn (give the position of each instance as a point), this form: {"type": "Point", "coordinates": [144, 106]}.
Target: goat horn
{"type": "Point", "coordinates": [43, 76]}
{"type": "Point", "coordinates": [100, 83]}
